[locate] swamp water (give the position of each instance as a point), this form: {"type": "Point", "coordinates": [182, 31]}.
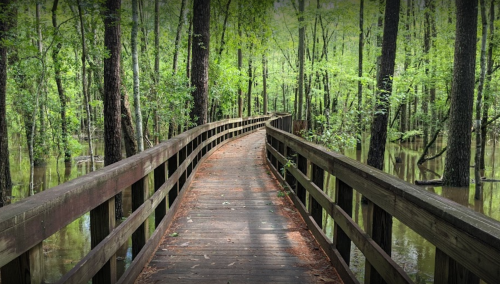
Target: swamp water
{"type": "Point", "coordinates": [416, 255]}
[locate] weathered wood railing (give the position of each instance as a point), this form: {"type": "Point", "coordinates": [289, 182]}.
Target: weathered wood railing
{"type": "Point", "coordinates": [26, 224]}
{"type": "Point", "coordinates": [467, 243]}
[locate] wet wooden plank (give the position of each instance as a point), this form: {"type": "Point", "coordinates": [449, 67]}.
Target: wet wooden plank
{"type": "Point", "coordinates": [234, 227]}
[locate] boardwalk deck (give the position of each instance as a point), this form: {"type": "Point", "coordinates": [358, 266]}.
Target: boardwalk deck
{"type": "Point", "coordinates": [234, 227]}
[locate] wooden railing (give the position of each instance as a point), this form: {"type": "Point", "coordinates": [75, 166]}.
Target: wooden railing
{"type": "Point", "coordinates": [26, 224]}
{"type": "Point", "coordinates": [467, 243]}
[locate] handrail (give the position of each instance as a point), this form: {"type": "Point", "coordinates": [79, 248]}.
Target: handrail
{"type": "Point", "coordinates": [25, 224]}
{"type": "Point", "coordinates": [467, 242]}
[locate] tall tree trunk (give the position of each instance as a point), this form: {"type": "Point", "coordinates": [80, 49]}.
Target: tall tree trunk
{"type": "Point", "coordinates": [360, 74]}
{"type": "Point", "coordinates": [480, 88]}
{"type": "Point", "coordinates": [189, 48]}
{"type": "Point", "coordinates": [112, 84]}
{"type": "Point", "coordinates": [240, 62]}
{"type": "Point", "coordinates": [60, 88]}
{"type": "Point", "coordinates": [250, 82]}
{"type": "Point", "coordinates": [457, 169]}
{"type": "Point", "coordinates": [5, 177]}
{"type": "Point", "coordinates": [222, 41]}
{"type": "Point", "coordinates": [84, 85]}
{"type": "Point", "coordinates": [381, 225]}
{"type": "Point", "coordinates": [135, 69]}
{"type": "Point", "coordinates": [156, 118]}
{"type": "Point", "coordinates": [264, 83]}
{"type": "Point", "coordinates": [178, 36]}
{"type": "Point", "coordinates": [489, 72]}
{"type": "Point", "coordinates": [302, 31]}
{"type": "Point", "coordinates": [199, 69]}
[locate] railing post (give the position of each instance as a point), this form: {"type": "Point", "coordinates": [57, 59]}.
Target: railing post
{"type": "Point", "coordinates": [318, 177]}
{"type": "Point", "coordinates": [301, 166]}
{"type": "Point", "coordinates": [102, 222]}
{"type": "Point", "coordinates": [172, 167]}
{"type": "Point", "coordinates": [159, 180]}
{"type": "Point", "coordinates": [380, 229]}
{"type": "Point", "coordinates": [343, 198]}
{"type": "Point", "coordinates": [26, 269]}
{"type": "Point", "coordinates": [139, 194]}
{"type": "Point", "coordinates": [447, 270]}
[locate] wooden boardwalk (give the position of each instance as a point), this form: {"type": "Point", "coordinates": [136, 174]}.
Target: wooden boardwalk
{"type": "Point", "coordinates": [235, 225]}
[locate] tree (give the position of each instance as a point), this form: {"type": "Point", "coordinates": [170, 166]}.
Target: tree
{"type": "Point", "coordinates": [457, 168]}
{"type": "Point", "coordinates": [360, 72]}
{"type": "Point", "coordinates": [384, 85]}
{"type": "Point", "coordinates": [112, 81]}
{"type": "Point", "coordinates": [199, 67]}
{"type": "Point", "coordinates": [135, 68]}
{"type": "Point", "coordinates": [381, 227]}
{"type": "Point", "coordinates": [5, 178]}
{"type": "Point", "coordinates": [60, 89]}
{"type": "Point", "coordinates": [301, 59]}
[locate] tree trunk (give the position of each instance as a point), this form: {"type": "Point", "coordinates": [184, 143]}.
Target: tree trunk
{"type": "Point", "coordinates": [381, 222]}
{"type": "Point", "coordinates": [480, 88]}
{"type": "Point", "coordinates": [384, 85]}
{"type": "Point", "coordinates": [302, 30]}
{"type": "Point", "coordinates": [240, 63]}
{"type": "Point", "coordinates": [60, 88]}
{"type": "Point", "coordinates": [112, 84]}
{"type": "Point", "coordinates": [457, 169]}
{"type": "Point", "coordinates": [199, 69]}
{"type": "Point", "coordinates": [360, 75]}
{"type": "Point", "coordinates": [489, 72]}
{"type": "Point", "coordinates": [84, 85]}
{"type": "Point", "coordinates": [5, 177]}
{"type": "Point", "coordinates": [250, 82]}
{"type": "Point", "coordinates": [156, 118]}
{"type": "Point", "coordinates": [178, 36]}
{"type": "Point", "coordinates": [135, 69]}
{"type": "Point", "coordinates": [264, 83]}
{"type": "Point", "coordinates": [127, 125]}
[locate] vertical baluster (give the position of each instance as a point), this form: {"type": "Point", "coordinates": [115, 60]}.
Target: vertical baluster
{"type": "Point", "coordinates": [380, 229]}
{"type": "Point", "coordinates": [290, 179]}
{"type": "Point", "coordinates": [159, 180]}
{"type": "Point", "coordinates": [447, 270]}
{"type": "Point", "coordinates": [26, 268]}
{"type": "Point", "coordinates": [302, 166]}
{"type": "Point", "coordinates": [139, 195]}
{"type": "Point", "coordinates": [172, 167]}
{"type": "Point", "coordinates": [102, 222]}
{"type": "Point", "coordinates": [343, 198]}
{"type": "Point", "coordinates": [318, 178]}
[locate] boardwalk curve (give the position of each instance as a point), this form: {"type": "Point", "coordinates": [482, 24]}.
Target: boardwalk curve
{"type": "Point", "coordinates": [235, 225]}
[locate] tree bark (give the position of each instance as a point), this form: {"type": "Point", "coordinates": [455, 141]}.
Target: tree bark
{"type": "Point", "coordinates": [60, 88]}
{"type": "Point", "coordinates": [489, 72]}
{"type": "Point", "coordinates": [264, 83]}
{"type": "Point", "coordinates": [5, 177]}
{"type": "Point", "coordinates": [112, 83]}
{"type": "Point", "coordinates": [480, 88]}
{"type": "Point", "coordinates": [240, 63]}
{"type": "Point", "coordinates": [178, 36]}
{"type": "Point", "coordinates": [84, 85]}
{"type": "Point", "coordinates": [199, 67]}
{"type": "Point", "coordinates": [135, 69]}
{"type": "Point", "coordinates": [360, 74]}
{"type": "Point", "coordinates": [457, 169]}
{"type": "Point", "coordinates": [156, 118]}
{"type": "Point", "coordinates": [384, 84]}
{"type": "Point", "coordinates": [250, 82]}
{"type": "Point", "coordinates": [381, 222]}
{"type": "Point", "coordinates": [302, 31]}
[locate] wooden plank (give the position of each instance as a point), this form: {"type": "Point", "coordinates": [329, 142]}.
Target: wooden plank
{"type": "Point", "coordinates": [343, 198]}
{"type": "Point", "coordinates": [238, 244]}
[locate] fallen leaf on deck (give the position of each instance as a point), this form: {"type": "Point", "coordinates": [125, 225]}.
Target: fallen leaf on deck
{"type": "Point", "coordinates": [231, 264]}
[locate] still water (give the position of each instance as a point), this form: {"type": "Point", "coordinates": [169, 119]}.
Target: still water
{"type": "Point", "coordinates": [68, 246]}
